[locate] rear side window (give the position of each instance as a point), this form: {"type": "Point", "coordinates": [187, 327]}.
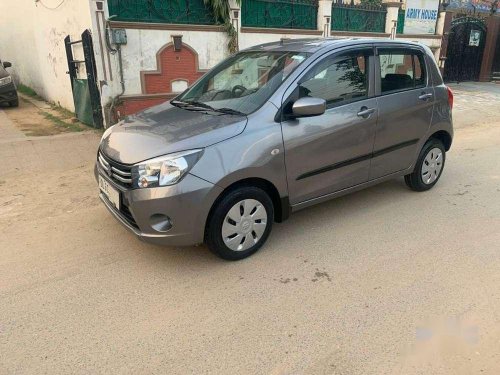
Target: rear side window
{"type": "Point", "coordinates": [401, 70]}
{"type": "Point", "coordinates": [338, 80]}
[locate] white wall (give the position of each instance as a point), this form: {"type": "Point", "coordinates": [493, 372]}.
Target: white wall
{"type": "Point", "coordinates": [32, 39]}
{"type": "Point", "coordinates": [139, 53]}
{"type": "Point", "coordinates": [247, 40]}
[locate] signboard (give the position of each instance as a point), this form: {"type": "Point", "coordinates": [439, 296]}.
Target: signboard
{"type": "Point", "coordinates": [474, 38]}
{"type": "Point", "coordinates": [421, 16]}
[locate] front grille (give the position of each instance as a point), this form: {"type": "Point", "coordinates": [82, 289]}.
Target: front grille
{"type": "Point", "coordinates": [124, 210]}
{"type": "Point", "coordinates": [120, 173]}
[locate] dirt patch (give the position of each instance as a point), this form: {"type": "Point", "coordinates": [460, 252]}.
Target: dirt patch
{"type": "Point", "coordinates": [34, 121]}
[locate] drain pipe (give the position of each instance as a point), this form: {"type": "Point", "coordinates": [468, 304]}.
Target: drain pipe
{"type": "Point", "coordinates": [113, 51]}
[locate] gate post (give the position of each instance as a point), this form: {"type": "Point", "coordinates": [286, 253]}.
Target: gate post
{"type": "Point", "coordinates": [493, 28]}
{"type": "Point", "coordinates": [391, 17]}
{"type": "Point", "coordinates": [325, 17]}
{"type": "Point", "coordinates": [69, 58]}
{"type": "Point", "coordinates": [90, 67]}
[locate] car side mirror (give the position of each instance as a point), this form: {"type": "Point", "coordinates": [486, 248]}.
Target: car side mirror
{"type": "Point", "coordinates": [7, 64]}
{"type": "Point", "coordinates": [308, 107]}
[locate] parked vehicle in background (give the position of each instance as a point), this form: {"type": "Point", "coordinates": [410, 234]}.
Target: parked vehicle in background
{"type": "Point", "coordinates": [271, 130]}
{"type": "Point", "coordinates": [8, 92]}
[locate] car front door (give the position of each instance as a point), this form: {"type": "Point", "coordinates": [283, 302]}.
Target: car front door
{"type": "Point", "coordinates": [332, 151]}
{"type": "Point", "coordinates": [405, 101]}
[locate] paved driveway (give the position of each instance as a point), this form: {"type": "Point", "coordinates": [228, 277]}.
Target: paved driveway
{"type": "Point", "coordinates": [384, 281]}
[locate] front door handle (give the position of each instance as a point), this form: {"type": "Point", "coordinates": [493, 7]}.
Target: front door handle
{"type": "Point", "coordinates": [425, 96]}
{"type": "Point", "coordinates": [365, 112]}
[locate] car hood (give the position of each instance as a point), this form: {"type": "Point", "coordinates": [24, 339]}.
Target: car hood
{"type": "Point", "coordinates": [165, 129]}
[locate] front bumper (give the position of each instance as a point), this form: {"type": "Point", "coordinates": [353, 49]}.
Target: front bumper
{"type": "Point", "coordinates": [8, 93]}
{"type": "Point", "coordinates": [186, 203]}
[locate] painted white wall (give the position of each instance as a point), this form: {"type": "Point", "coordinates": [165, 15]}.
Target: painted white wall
{"type": "Point", "coordinates": [251, 39]}
{"type": "Point", "coordinates": [32, 38]}
{"type": "Point", "coordinates": [142, 45]}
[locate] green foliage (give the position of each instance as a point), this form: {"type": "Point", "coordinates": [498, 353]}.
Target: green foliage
{"type": "Point", "coordinates": [26, 90]}
{"type": "Point", "coordinates": [221, 11]}
{"type": "Point", "coordinates": [371, 2]}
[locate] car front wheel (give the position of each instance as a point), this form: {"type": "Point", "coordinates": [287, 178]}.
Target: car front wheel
{"type": "Point", "coordinates": [240, 223]}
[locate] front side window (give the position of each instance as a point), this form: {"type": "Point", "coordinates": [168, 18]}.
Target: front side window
{"type": "Point", "coordinates": [338, 80]}
{"type": "Point", "coordinates": [244, 81]}
{"type": "Point", "coordinates": [401, 70]}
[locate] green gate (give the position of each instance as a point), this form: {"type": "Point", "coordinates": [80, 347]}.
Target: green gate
{"type": "Point", "coordinates": [401, 22]}
{"type": "Point", "coordinates": [360, 18]}
{"type": "Point", "coordinates": [161, 11]}
{"type": "Point", "coordinates": [288, 14]}
{"type": "Point", "coordinates": [86, 94]}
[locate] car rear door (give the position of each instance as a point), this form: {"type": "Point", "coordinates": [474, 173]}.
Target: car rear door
{"type": "Point", "coordinates": [405, 99]}
{"type": "Point", "coordinates": [331, 152]}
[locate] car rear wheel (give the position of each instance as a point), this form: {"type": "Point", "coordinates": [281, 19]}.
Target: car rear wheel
{"type": "Point", "coordinates": [429, 166]}
{"type": "Point", "coordinates": [240, 223]}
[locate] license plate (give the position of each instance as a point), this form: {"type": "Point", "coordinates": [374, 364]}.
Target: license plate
{"type": "Point", "coordinates": [110, 192]}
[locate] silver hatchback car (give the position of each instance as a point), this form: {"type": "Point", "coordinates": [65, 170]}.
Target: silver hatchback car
{"type": "Point", "coordinates": [271, 130]}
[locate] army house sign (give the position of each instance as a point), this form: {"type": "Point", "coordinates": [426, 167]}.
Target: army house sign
{"type": "Point", "coordinates": [421, 16]}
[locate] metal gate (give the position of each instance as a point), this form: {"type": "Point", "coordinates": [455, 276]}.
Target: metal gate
{"type": "Point", "coordinates": [465, 49]}
{"type": "Point", "coordinates": [86, 94]}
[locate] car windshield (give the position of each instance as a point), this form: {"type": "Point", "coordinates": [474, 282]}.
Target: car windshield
{"type": "Point", "coordinates": [242, 83]}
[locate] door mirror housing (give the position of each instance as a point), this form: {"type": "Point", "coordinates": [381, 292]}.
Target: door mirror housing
{"type": "Point", "coordinates": [308, 107]}
{"type": "Point", "coordinates": [7, 64]}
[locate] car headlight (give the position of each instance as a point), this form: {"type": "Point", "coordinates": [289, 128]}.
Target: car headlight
{"type": "Point", "coordinates": [5, 81]}
{"type": "Point", "coordinates": [164, 170]}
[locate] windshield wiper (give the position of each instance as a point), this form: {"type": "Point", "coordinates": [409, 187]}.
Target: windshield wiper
{"type": "Point", "coordinates": [229, 111]}
{"type": "Point", "coordinates": [189, 105]}
{"type": "Point", "coordinates": [200, 105]}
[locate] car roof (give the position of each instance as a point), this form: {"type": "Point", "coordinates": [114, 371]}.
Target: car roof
{"type": "Point", "coordinates": [312, 45]}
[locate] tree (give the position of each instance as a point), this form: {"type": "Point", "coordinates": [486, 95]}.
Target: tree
{"type": "Point", "coordinates": [221, 11]}
{"type": "Point", "coordinates": [372, 2]}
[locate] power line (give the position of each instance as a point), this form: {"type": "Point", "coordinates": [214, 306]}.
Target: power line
{"type": "Point", "coordinates": [50, 8]}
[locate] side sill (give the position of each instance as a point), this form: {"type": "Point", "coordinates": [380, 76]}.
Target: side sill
{"type": "Point", "coordinates": [352, 189]}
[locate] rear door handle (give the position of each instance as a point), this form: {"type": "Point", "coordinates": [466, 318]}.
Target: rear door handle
{"type": "Point", "coordinates": [425, 96]}
{"type": "Point", "coordinates": [365, 112]}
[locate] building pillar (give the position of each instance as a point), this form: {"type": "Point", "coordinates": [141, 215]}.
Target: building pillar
{"type": "Point", "coordinates": [440, 23]}
{"type": "Point", "coordinates": [325, 17]}
{"type": "Point", "coordinates": [443, 51]}
{"type": "Point", "coordinates": [391, 17]}
{"type": "Point", "coordinates": [440, 31]}
{"type": "Point", "coordinates": [493, 28]}
{"type": "Point", "coordinates": [235, 14]}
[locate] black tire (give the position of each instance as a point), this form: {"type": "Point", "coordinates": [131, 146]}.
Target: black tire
{"type": "Point", "coordinates": [414, 180]}
{"type": "Point", "coordinates": [14, 103]}
{"type": "Point", "coordinates": [213, 233]}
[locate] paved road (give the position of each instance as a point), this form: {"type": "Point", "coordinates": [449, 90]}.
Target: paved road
{"type": "Point", "coordinates": [384, 281]}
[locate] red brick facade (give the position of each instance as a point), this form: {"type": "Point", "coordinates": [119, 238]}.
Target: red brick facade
{"type": "Point", "coordinates": [182, 65]}
{"type": "Point", "coordinates": [171, 66]}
